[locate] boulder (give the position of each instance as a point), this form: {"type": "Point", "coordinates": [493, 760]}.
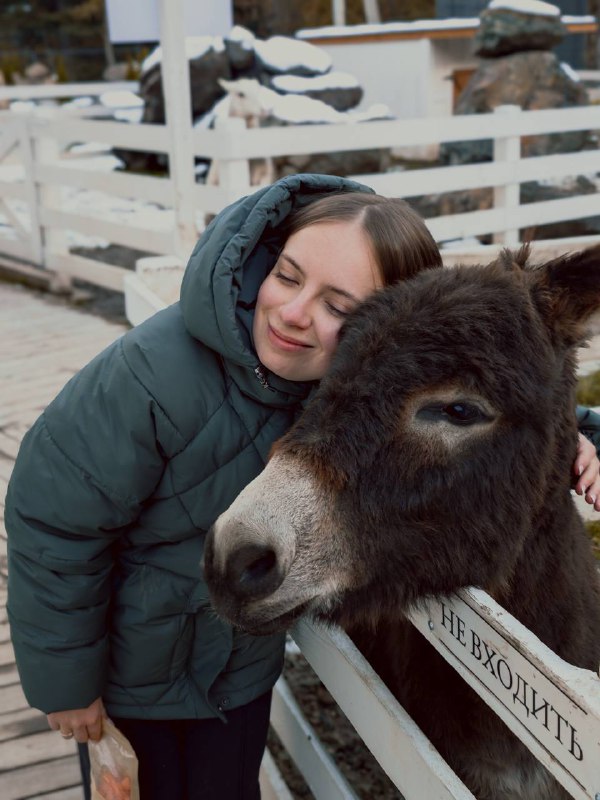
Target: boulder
{"type": "Point", "coordinates": [532, 80]}
{"type": "Point", "coordinates": [505, 30]}
{"type": "Point", "coordinates": [435, 205]}
{"type": "Point", "coordinates": [351, 162]}
{"type": "Point", "coordinates": [281, 55]}
{"type": "Point", "coordinates": [239, 46]}
{"type": "Point", "coordinates": [337, 89]}
{"type": "Point", "coordinates": [205, 70]}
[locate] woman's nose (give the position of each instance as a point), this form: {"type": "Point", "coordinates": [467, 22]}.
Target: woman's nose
{"type": "Point", "coordinates": [296, 313]}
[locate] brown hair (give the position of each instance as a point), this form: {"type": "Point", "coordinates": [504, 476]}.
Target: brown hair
{"type": "Point", "coordinates": [401, 242]}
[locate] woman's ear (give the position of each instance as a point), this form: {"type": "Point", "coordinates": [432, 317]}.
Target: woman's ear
{"type": "Point", "coordinates": [567, 292]}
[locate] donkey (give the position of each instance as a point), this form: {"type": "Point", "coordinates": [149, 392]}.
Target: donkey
{"type": "Point", "coordinates": [435, 455]}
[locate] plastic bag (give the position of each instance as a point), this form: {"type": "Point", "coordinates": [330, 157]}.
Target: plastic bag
{"type": "Point", "coordinates": [113, 766]}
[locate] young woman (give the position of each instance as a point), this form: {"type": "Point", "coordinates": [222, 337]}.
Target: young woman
{"type": "Point", "coordinates": [119, 479]}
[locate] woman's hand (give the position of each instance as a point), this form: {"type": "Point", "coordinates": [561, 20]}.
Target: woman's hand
{"type": "Point", "coordinates": [587, 470]}
{"type": "Point", "coordinates": [81, 723]}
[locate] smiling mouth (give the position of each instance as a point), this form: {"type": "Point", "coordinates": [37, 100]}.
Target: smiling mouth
{"type": "Point", "coordinates": [284, 341]}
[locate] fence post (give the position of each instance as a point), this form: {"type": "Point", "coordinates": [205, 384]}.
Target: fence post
{"type": "Point", "coordinates": [178, 107]}
{"type": "Point", "coordinates": [31, 187]}
{"type": "Point", "coordinates": [507, 150]}
{"type": "Point", "coordinates": [47, 150]}
{"type": "Point", "coordinates": [234, 173]}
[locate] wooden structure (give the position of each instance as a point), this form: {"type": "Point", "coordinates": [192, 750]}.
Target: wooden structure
{"type": "Point", "coordinates": [33, 205]}
{"type": "Point", "coordinates": [43, 343]}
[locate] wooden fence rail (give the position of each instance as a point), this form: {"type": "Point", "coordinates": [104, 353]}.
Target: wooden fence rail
{"type": "Point", "coordinates": [38, 144]}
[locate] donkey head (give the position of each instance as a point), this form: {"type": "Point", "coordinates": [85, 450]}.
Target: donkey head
{"type": "Point", "coordinates": [440, 437]}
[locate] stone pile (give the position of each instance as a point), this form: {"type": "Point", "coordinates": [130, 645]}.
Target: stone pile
{"type": "Point", "coordinates": [515, 41]}
{"type": "Point", "coordinates": [517, 67]}
{"type": "Point", "coordinates": [281, 64]}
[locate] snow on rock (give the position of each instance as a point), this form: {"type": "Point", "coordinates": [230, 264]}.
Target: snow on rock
{"type": "Point", "coordinates": [344, 31]}
{"type": "Point", "coordinates": [195, 46]}
{"type": "Point", "coordinates": [242, 36]}
{"type": "Point", "coordinates": [120, 99]}
{"type": "Point", "coordinates": [568, 70]}
{"type": "Point", "coordinates": [298, 85]}
{"type": "Point", "coordinates": [282, 54]}
{"type": "Point", "coordinates": [77, 102]}
{"type": "Point", "coordinates": [537, 7]}
{"type": "Point", "coordinates": [296, 109]}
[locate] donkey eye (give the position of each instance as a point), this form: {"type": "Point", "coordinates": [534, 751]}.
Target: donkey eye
{"type": "Point", "coordinates": [459, 413]}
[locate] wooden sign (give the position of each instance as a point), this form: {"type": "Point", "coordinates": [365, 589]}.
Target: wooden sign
{"type": "Point", "coordinates": [553, 707]}
{"type": "Point", "coordinates": [138, 20]}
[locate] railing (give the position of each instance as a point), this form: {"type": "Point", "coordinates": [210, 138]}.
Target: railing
{"type": "Point", "coordinates": [38, 143]}
{"type": "Point", "coordinates": [491, 650]}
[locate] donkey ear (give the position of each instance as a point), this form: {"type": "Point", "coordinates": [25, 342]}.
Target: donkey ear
{"type": "Point", "coordinates": [567, 292]}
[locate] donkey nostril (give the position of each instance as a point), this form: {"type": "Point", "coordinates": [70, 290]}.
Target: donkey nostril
{"type": "Point", "coordinates": [259, 568]}
{"type": "Point", "coordinates": [254, 571]}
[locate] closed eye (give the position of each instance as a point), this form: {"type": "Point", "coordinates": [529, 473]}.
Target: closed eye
{"type": "Point", "coordinates": [461, 413]}
{"type": "Point", "coordinates": [285, 278]}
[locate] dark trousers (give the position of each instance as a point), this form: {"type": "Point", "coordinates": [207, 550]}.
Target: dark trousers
{"type": "Point", "coordinates": [198, 759]}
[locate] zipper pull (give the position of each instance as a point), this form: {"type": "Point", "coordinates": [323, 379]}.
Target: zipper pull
{"type": "Point", "coordinates": [260, 374]}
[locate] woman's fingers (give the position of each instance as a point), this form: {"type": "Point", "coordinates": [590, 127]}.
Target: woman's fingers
{"type": "Point", "coordinates": [81, 724]}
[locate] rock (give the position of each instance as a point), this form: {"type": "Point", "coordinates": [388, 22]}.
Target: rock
{"type": "Point", "coordinates": [352, 162]}
{"type": "Point", "coordinates": [205, 70]}
{"type": "Point", "coordinates": [505, 30]}
{"type": "Point", "coordinates": [531, 192]}
{"type": "Point", "coordinates": [239, 46]}
{"type": "Point", "coordinates": [532, 80]}
{"type": "Point", "coordinates": [116, 72]}
{"type": "Point", "coordinates": [337, 89]}
{"type": "Point", "coordinates": [281, 55]}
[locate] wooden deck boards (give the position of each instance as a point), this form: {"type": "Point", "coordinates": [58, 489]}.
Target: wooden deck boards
{"type": "Point", "coordinates": [43, 342]}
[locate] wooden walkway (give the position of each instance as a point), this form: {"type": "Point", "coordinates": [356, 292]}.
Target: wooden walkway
{"type": "Point", "coordinates": [43, 342]}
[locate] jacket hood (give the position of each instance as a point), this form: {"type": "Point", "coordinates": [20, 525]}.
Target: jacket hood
{"type": "Point", "coordinates": [227, 267]}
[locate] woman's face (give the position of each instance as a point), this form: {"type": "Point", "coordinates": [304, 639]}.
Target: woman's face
{"type": "Point", "coordinates": [322, 273]}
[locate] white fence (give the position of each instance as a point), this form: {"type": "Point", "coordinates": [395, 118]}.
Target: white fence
{"type": "Point", "coordinates": [40, 146]}
{"type": "Point", "coordinates": [35, 147]}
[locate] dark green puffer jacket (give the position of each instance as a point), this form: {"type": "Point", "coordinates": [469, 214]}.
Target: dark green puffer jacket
{"type": "Point", "coordinates": [117, 482]}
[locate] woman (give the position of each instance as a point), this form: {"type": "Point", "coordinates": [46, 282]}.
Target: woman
{"type": "Point", "coordinates": [117, 482]}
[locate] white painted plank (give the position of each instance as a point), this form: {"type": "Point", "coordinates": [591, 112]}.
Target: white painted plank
{"type": "Point", "coordinates": [16, 249]}
{"type": "Point", "coordinates": [564, 734]}
{"type": "Point", "coordinates": [304, 748]}
{"type": "Point", "coordinates": [475, 223]}
{"type": "Point", "coordinates": [14, 189]}
{"type": "Point", "coordinates": [147, 138]}
{"type": "Point", "coordinates": [92, 88]}
{"type": "Point", "coordinates": [140, 187]}
{"type": "Point", "coordinates": [142, 238]}
{"type": "Point", "coordinates": [272, 784]}
{"type": "Point", "coordinates": [86, 269]}
{"type": "Point", "coordinates": [302, 139]}
{"type": "Point", "coordinates": [403, 751]}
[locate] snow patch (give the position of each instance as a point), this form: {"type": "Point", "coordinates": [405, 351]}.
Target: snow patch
{"type": "Point", "coordinates": [195, 46]}
{"type": "Point", "coordinates": [242, 36]}
{"type": "Point", "coordinates": [535, 7]}
{"type": "Point", "coordinates": [298, 85]}
{"type": "Point", "coordinates": [120, 99]}
{"type": "Point", "coordinates": [570, 72]}
{"type": "Point", "coordinates": [282, 54]}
